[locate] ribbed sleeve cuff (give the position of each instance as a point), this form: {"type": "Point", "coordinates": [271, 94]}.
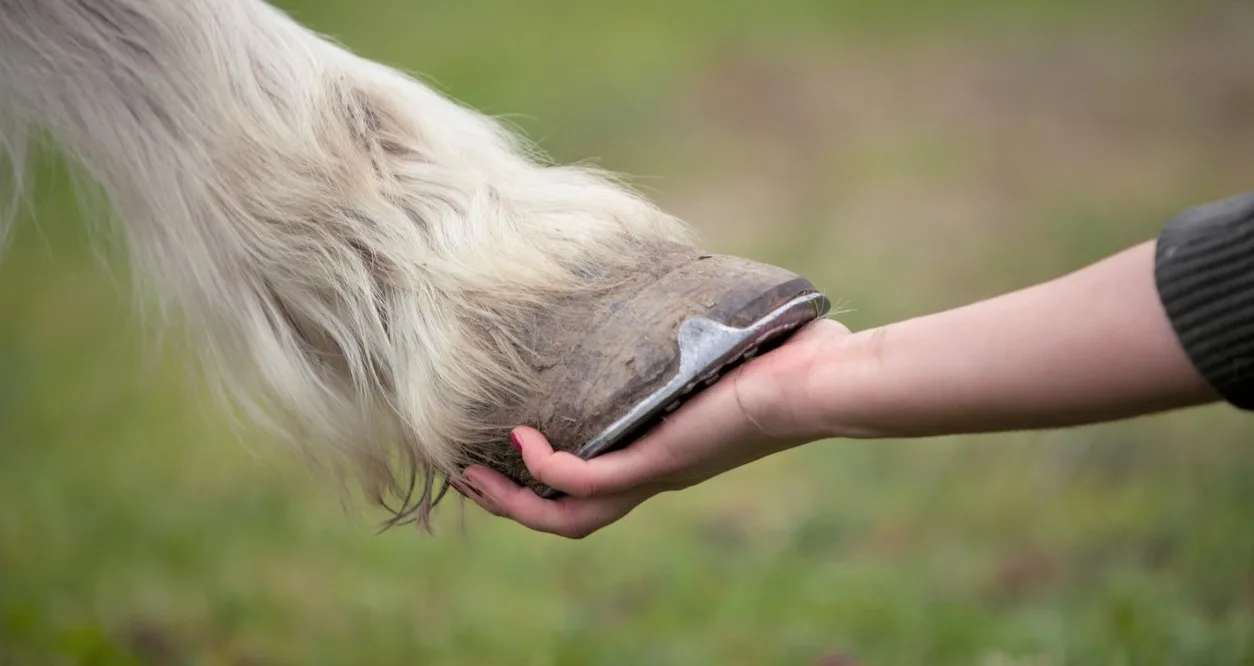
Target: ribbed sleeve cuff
{"type": "Point", "coordinates": [1204, 271]}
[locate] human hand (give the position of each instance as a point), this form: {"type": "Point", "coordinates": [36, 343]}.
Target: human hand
{"type": "Point", "coordinates": [765, 406]}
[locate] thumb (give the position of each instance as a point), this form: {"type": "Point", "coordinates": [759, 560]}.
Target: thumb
{"type": "Point", "coordinates": [631, 467]}
{"type": "Point", "coordinates": [696, 432]}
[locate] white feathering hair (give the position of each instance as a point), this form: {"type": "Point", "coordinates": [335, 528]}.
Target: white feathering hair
{"type": "Point", "coordinates": [357, 255]}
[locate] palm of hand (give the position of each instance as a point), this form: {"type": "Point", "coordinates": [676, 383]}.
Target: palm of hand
{"type": "Point", "coordinates": [750, 413]}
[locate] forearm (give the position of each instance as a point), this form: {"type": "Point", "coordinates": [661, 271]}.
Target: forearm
{"type": "Point", "coordinates": [1092, 346]}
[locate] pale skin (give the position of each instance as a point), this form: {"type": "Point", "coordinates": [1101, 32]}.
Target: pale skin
{"type": "Point", "coordinates": [1089, 347]}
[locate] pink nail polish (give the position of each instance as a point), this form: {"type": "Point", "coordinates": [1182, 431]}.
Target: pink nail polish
{"type": "Point", "coordinates": [513, 437]}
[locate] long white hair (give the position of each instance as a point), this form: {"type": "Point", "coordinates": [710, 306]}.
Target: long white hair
{"type": "Point", "coordinates": [358, 256]}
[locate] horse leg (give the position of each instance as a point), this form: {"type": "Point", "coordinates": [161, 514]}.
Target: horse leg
{"type": "Point", "coordinates": [385, 278]}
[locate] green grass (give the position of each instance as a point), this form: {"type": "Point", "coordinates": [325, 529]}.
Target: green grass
{"type": "Point", "coordinates": [135, 529]}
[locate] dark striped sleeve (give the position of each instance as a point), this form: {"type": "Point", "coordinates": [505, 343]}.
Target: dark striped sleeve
{"type": "Point", "coordinates": [1204, 271]}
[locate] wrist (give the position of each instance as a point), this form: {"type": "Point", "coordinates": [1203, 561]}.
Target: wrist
{"type": "Point", "coordinates": [858, 391]}
{"type": "Point", "coordinates": [832, 384]}
{"type": "Point", "coordinates": [837, 388]}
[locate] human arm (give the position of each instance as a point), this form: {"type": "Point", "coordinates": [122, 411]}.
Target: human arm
{"type": "Point", "coordinates": [1134, 334]}
{"type": "Point", "coordinates": [1089, 347]}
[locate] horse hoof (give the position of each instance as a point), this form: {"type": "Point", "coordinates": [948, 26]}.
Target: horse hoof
{"type": "Point", "coordinates": [613, 363]}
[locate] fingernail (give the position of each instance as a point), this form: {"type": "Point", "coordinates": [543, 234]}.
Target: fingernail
{"type": "Point", "coordinates": [517, 441]}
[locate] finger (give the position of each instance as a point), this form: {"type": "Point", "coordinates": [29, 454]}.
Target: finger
{"type": "Point", "coordinates": [689, 435]}
{"type": "Point", "coordinates": [572, 518]}
{"type": "Point", "coordinates": [606, 474]}
{"type": "Point", "coordinates": [477, 497]}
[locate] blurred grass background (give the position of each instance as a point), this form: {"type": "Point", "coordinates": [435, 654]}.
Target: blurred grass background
{"type": "Point", "coordinates": [908, 156]}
